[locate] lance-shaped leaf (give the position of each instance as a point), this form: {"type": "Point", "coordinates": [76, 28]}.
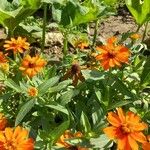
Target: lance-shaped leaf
{"type": "Point", "coordinates": [24, 110]}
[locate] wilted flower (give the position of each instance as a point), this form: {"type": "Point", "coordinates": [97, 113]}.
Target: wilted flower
{"type": "Point", "coordinates": [146, 145]}
{"type": "Point", "coordinates": [32, 91]}
{"type": "Point", "coordinates": [17, 45]}
{"type": "Point", "coordinates": [15, 139]}
{"type": "Point", "coordinates": [69, 135]}
{"type": "Point", "coordinates": [112, 55]}
{"type": "Point", "coordinates": [126, 129]}
{"type": "Point", "coordinates": [135, 36]}
{"type": "Point", "coordinates": [32, 65]}
{"type": "Point", "coordinates": [3, 121]}
{"type": "Point", "coordinates": [74, 73]}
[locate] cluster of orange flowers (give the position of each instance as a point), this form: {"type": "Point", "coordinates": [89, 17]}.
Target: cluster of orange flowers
{"type": "Point", "coordinates": [14, 138]}
{"type": "Point", "coordinates": [126, 130]}
{"type": "Point", "coordinates": [30, 66]}
{"type": "Point", "coordinates": [62, 142]}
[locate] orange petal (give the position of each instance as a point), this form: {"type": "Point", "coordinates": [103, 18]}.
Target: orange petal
{"type": "Point", "coordinates": [121, 114]}
{"type": "Point", "coordinates": [133, 143]}
{"type": "Point", "coordinates": [146, 146]}
{"type": "Point", "coordinates": [138, 136]}
{"type": "Point", "coordinates": [113, 119]}
{"type": "Point", "coordinates": [111, 63]}
{"type": "Point", "coordinates": [112, 40]}
{"type": "Point", "coordinates": [105, 64]}
{"type": "Point", "coordinates": [8, 133]}
{"type": "Point", "coordinates": [122, 143]}
{"type": "Point", "coordinates": [110, 132]}
{"type": "Point", "coordinates": [132, 116]}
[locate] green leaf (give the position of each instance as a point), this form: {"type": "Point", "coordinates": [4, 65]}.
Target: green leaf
{"type": "Point", "coordinates": [110, 2]}
{"type": "Point", "coordinates": [10, 83]}
{"type": "Point", "coordinates": [102, 142]}
{"type": "Point", "coordinates": [73, 13]}
{"type": "Point", "coordinates": [24, 110]}
{"type": "Point", "coordinates": [67, 96]}
{"type": "Point", "coordinates": [58, 131]}
{"type": "Point", "coordinates": [62, 85]}
{"type": "Point", "coordinates": [43, 88]}
{"type": "Point", "coordinates": [53, 1]}
{"type": "Point", "coordinates": [145, 77]}
{"type": "Point", "coordinates": [119, 104]}
{"type": "Point", "coordinates": [11, 14]}
{"type": "Point", "coordinates": [85, 124]}
{"type": "Point", "coordinates": [93, 75]}
{"type": "Point", "coordinates": [58, 107]}
{"type": "Point", "coordinates": [121, 87]}
{"type": "Point", "coordinates": [2, 75]}
{"type": "Point", "coordinates": [140, 9]}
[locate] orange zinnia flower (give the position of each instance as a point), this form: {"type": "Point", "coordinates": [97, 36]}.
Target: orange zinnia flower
{"type": "Point", "coordinates": [3, 58]}
{"type": "Point", "coordinates": [32, 65]}
{"type": "Point", "coordinates": [69, 135]}
{"type": "Point", "coordinates": [126, 129]}
{"type": "Point", "coordinates": [75, 73]}
{"type": "Point", "coordinates": [15, 139]}
{"type": "Point", "coordinates": [112, 55]}
{"type": "Point", "coordinates": [82, 45]}
{"type": "Point", "coordinates": [3, 121]}
{"type": "Point", "coordinates": [146, 145]}
{"type": "Point", "coordinates": [17, 45]}
{"type": "Point", "coordinates": [32, 91]}
{"type": "Point", "coordinates": [135, 36]}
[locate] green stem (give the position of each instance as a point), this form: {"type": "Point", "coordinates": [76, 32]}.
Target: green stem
{"type": "Point", "coordinates": [138, 28]}
{"type": "Point", "coordinates": [10, 33]}
{"type": "Point", "coordinates": [65, 48]}
{"type": "Point", "coordinates": [145, 31]}
{"type": "Point", "coordinates": [95, 33]}
{"type": "Point", "coordinates": [44, 27]}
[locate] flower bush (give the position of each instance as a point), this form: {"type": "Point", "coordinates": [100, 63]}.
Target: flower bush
{"type": "Point", "coordinates": [96, 97]}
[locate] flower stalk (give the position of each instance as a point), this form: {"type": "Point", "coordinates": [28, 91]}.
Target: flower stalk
{"type": "Point", "coordinates": [44, 27]}
{"type": "Point", "coordinates": [145, 31]}
{"type": "Point", "coordinates": [95, 33]}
